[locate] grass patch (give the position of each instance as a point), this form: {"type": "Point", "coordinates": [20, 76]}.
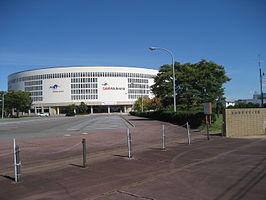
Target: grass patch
{"type": "Point", "coordinates": [215, 127]}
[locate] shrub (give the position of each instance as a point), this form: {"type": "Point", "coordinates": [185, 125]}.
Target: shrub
{"type": "Point", "coordinates": [195, 119]}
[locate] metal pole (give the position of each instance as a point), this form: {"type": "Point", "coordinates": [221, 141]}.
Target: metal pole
{"type": "Point", "coordinates": [188, 134]}
{"type": "Point", "coordinates": [18, 164]}
{"type": "Point", "coordinates": [261, 74]}
{"type": "Point", "coordinates": [173, 66]}
{"type": "Point", "coordinates": [261, 92]}
{"type": "Point", "coordinates": [141, 103]}
{"type": "Point", "coordinates": [84, 153]}
{"type": "Point", "coordinates": [129, 144]}
{"type": "Point", "coordinates": [163, 138]}
{"type": "Point", "coordinates": [15, 159]}
{"type": "Point", "coordinates": [3, 105]}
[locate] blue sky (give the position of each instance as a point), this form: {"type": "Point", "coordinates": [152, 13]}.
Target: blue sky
{"type": "Point", "coordinates": [46, 33]}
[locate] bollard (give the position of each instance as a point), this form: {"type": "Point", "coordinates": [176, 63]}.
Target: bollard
{"type": "Point", "coordinates": [18, 165]}
{"type": "Point", "coordinates": [163, 139]}
{"type": "Point", "coordinates": [15, 159]}
{"type": "Point", "coordinates": [84, 152]}
{"type": "Point", "coordinates": [188, 134]}
{"type": "Point", "coordinates": [129, 144]}
{"type": "Point", "coordinates": [17, 162]}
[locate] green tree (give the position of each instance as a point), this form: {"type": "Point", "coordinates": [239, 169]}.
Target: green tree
{"type": "Point", "coordinates": [19, 100]}
{"type": "Point", "coordinates": [147, 104]}
{"type": "Point", "coordinates": [155, 104]}
{"type": "Point", "coordinates": [82, 108]}
{"type": "Point", "coordinates": [219, 107]}
{"type": "Point", "coordinates": [195, 84]}
{"type": "Point", "coordinates": [71, 108]}
{"type": "Point", "coordinates": [141, 102]}
{"type": "Point", "coordinates": [163, 86]}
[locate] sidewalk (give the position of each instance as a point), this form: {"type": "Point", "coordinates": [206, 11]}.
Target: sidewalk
{"type": "Point", "coordinates": [220, 168]}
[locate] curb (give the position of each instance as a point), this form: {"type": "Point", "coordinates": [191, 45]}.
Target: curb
{"type": "Point", "coordinates": [127, 121]}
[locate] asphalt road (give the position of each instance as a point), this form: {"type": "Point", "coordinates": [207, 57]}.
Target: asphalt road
{"type": "Point", "coordinates": [51, 126]}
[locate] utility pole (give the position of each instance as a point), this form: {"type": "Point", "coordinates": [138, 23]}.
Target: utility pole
{"type": "Point", "coordinates": [261, 74]}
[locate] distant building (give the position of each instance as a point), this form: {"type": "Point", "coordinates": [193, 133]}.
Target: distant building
{"type": "Point", "coordinates": [229, 103]}
{"type": "Point", "coordinates": [103, 88]}
{"type": "Point", "coordinates": [256, 99]}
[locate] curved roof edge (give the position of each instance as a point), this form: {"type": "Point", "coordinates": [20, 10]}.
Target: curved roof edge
{"type": "Point", "coordinates": [80, 66]}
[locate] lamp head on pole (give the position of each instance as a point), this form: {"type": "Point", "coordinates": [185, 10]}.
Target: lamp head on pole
{"type": "Point", "coordinates": [153, 48]}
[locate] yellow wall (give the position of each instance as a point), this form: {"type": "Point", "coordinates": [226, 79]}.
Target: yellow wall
{"type": "Point", "coordinates": [245, 122]}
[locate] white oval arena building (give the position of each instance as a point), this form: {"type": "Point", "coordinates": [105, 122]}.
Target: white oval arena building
{"type": "Point", "coordinates": [103, 88]}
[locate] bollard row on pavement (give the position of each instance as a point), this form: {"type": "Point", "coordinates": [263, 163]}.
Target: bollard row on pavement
{"type": "Point", "coordinates": [17, 161]}
{"type": "Point", "coordinates": [186, 125]}
{"type": "Point", "coordinates": [129, 138]}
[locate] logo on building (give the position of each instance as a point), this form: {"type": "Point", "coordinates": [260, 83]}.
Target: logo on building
{"type": "Point", "coordinates": [55, 86]}
{"type": "Point", "coordinates": [106, 86]}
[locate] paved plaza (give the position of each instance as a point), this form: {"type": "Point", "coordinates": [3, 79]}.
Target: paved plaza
{"type": "Point", "coordinates": [216, 169]}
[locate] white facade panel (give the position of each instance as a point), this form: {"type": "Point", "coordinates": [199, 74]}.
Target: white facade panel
{"type": "Point", "coordinates": [56, 90]}
{"type": "Point", "coordinates": [112, 90]}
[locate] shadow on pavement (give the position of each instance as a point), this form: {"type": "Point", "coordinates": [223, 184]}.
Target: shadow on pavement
{"type": "Point", "coordinates": [75, 165]}
{"type": "Point", "coordinates": [8, 177]}
{"type": "Point", "coordinates": [121, 156]}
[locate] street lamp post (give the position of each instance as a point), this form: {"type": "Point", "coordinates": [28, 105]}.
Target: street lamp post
{"type": "Point", "coordinates": [3, 104]}
{"type": "Point", "coordinates": [142, 103]}
{"type": "Point", "coordinates": [173, 66]}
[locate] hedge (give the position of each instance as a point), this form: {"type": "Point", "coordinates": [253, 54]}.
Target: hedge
{"type": "Point", "coordinates": [195, 119]}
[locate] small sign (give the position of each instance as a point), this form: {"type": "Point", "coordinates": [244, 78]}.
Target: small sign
{"type": "Point", "coordinates": [207, 108]}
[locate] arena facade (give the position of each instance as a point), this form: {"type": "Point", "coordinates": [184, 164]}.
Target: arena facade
{"type": "Point", "coordinates": [104, 89]}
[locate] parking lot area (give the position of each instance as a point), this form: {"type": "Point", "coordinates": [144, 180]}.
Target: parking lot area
{"type": "Point", "coordinates": [51, 126]}
{"type": "Point", "coordinates": [216, 169]}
